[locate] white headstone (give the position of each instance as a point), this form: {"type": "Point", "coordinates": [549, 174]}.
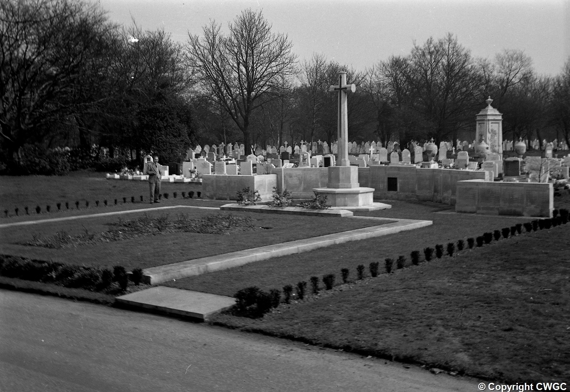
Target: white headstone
{"type": "Point", "coordinates": [418, 154]}
{"type": "Point", "coordinates": [462, 160]}
{"type": "Point", "coordinates": [203, 166]}
{"type": "Point", "coordinates": [442, 151]}
{"type": "Point", "coordinates": [232, 169]}
{"type": "Point", "coordinates": [246, 168]}
{"type": "Point", "coordinates": [383, 152]}
{"type": "Point", "coordinates": [220, 168]}
{"type": "Point", "coordinates": [186, 167]}
{"type": "Point", "coordinates": [490, 166]}
{"type": "Point", "coordinates": [406, 156]}
{"type": "Point", "coordinates": [394, 158]}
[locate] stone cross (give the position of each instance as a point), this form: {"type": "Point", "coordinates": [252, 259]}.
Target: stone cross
{"type": "Point", "coordinates": [343, 89]}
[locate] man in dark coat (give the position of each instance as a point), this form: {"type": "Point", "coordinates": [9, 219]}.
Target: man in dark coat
{"type": "Point", "coordinates": [154, 175]}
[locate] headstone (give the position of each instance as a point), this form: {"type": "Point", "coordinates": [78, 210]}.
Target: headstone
{"type": "Point", "coordinates": [237, 154]}
{"type": "Point", "coordinates": [242, 149]}
{"type": "Point", "coordinates": [220, 168]}
{"type": "Point", "coordinates": [442, 151]}
{"type": "Point", "coordinates": [189, 155]}
{"type": "Point", "coordinates": [261, 168]}
{"type": "Point", "coordinates": [203, 166]}
{"type": "Point", "coordinates": [406, 156]}
{"type": "Point", "coordinates": [446, 163]}
{"type": "Point", "coordinates": [246, 168]}
{"type": "Point", "coordinates": [326, 149]}
{"type": "Point", "coordinates": [229, 149]}
{"type": "Point", "coordinates": [418, 154]}
{"type": "Point", "coordinates": [361, 162]}
{"type": "Point", "coordinates": [206, 149]}
{"type": "Point", "coordinates": [285, 156]}
{"type": "Point", "coordinates": [394, 158]}
{"type": "Point", "coordinates": [289, 150]}
{"type": "Point", "coordinates": [317, 161]}
{"type": "Point", "coordinates": [512, 167]}
{"type": "Point", "coordinates": [329, 160]}
{"type": "Point", "coordinates": [251, 158]}
{"type": "Point", "coordinates": [297, 150]}
{"type": "Point", "coordinates": [281, 149]}
{"type": "Point", "coordinates": [548, 150]}
{"type": "Point", "coordinates": [462, 160]}
{"type": "Point", "coordinates": [304, 159]}
{"type": "Point", "coordinates": [495, 157]}
{"type": "Point", "coordinates": [334, 148]}
{"type": "Point", "coordinates": [232, 169]}
{"type": "Point", "coordinates": [211, 157]}
{"type": "Point", "coordinates": [490, 166]}
{"type": "Point", "coordinates": [383, 152]}
{"type": "Point", "coordinates": [186, 167]}
{"type": "Point", "coordinates": [473, 166]}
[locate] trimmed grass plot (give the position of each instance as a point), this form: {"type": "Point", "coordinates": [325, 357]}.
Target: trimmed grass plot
{"type": "Point", "coordinates": [499, 312]}
{"type": "Point", "coordinates": [100, 241]}
{"type": "Point", "coordinates": [280, 271]}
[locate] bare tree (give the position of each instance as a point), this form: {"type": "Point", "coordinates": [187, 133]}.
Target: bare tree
{"type": "Point", "coordinates": [238, 70]}
{"type": "Point", "coordinates": [46, 49]}
{"type": "Point", "coordinates": [560, 102]}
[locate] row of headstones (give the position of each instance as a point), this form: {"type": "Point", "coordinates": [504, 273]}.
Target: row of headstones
{"type": "Point", "coordinates": [320, 148]}
{"type": "Point", "coordinates": [508, 145]}
{"type": "Point", "coordinates": [543, 168]}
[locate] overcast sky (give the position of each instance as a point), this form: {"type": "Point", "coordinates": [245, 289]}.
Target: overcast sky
{"type": "Point", "coordinates": [359, 33]}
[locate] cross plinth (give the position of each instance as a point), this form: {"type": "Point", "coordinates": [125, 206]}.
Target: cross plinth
{"type": "Point", "coordinates": [342, 132]}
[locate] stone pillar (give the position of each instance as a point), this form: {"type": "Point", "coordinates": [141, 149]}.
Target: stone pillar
{"type": "Point", "coordinates": [490, 128]}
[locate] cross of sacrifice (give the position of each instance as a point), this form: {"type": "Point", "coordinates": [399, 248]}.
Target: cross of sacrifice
{"type": "Point", "coordinates": [342, 132]}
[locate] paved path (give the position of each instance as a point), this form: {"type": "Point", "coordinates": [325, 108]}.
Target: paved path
{"type": "Point", "coordinates": [49, 344]}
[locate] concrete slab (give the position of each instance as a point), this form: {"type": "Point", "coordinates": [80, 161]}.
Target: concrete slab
{"type": "Point", "coordinates": [178, 302]}
{"type": "Point", "coordinates": [157, 275]}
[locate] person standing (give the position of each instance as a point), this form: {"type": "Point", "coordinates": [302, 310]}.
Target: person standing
{"type": "Point", "coordinates": [152, 168]}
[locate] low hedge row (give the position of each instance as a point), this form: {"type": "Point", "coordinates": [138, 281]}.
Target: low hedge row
{"type": "Point", "coordinates": [72, 276]}
{"type": "Point", "coordinates": [67, 205]}
{"type": "Point", "coordinates": [254, 302]}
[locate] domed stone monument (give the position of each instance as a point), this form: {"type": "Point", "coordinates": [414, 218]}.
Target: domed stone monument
{"type": "Point", "coordinates": [490, 130]}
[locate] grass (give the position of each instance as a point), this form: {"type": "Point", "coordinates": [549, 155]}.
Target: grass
{"type": "Point", "coordinates": [499, 312]}
{"type": "Point", "coordinates": [31, 191]}
{"type": "Point", "coordinates": [149, 251]}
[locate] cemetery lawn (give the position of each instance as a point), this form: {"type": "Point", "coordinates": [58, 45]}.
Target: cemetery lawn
{"type": "Point", "coordinates": [82, 186]}
{"type": "Point", "coordinates": [500, 312]}
{"type": "Point", "coordinates": [159, 249]}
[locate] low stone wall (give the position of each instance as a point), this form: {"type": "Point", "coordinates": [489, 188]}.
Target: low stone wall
{"type": "Point", "coordinates": [225, 187]}
{"type": "Point", "coordinates": [300, 181]}
{"type": "Point", "coordinates": [413, 183]}
{"type": "Point", "coordinates": [505, 198]}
